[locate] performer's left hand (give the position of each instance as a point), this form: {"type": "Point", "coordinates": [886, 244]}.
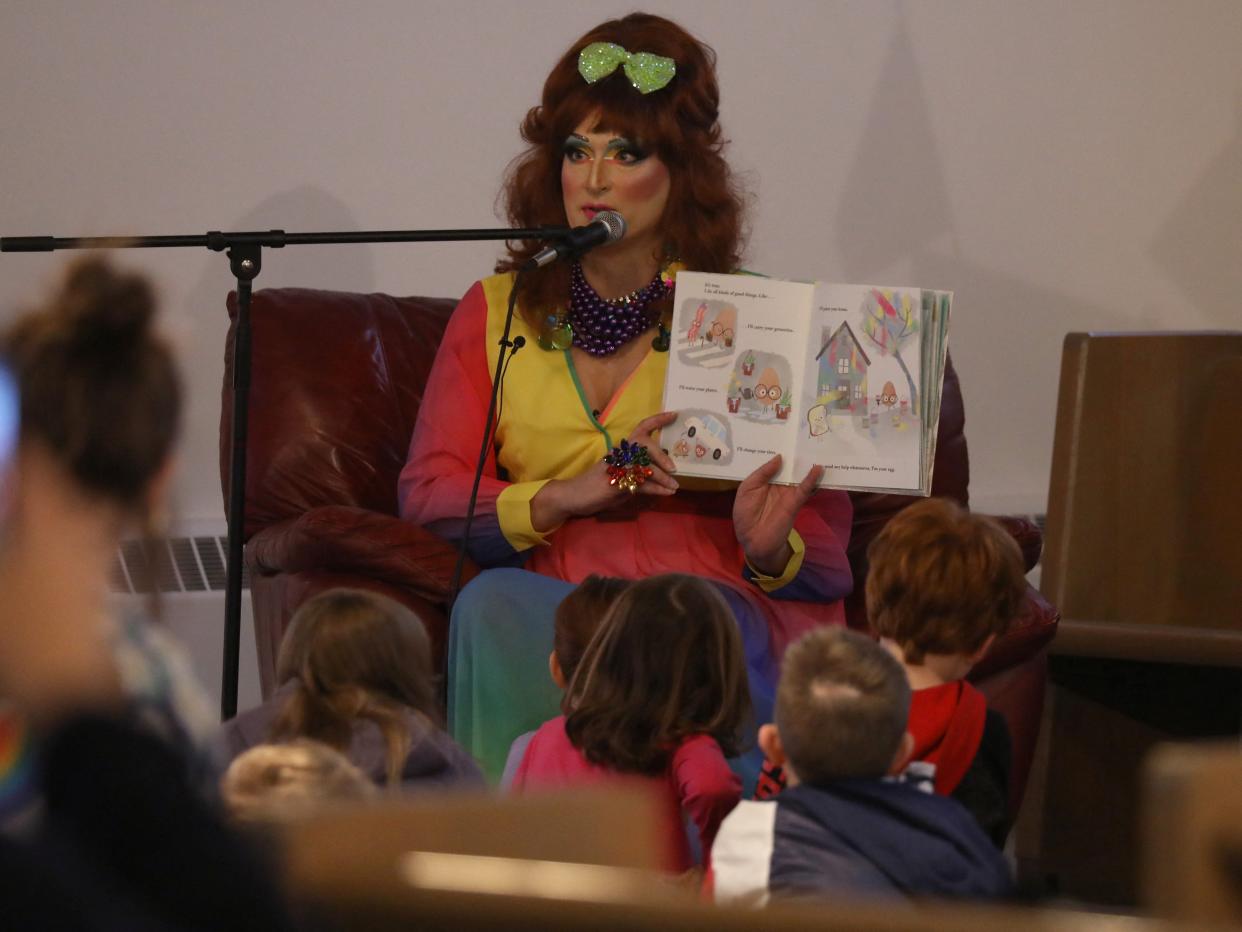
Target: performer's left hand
{"type": "Point", "coordinates": [763, 515]}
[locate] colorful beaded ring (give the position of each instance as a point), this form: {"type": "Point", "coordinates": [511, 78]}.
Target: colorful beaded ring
{"type": "Point", "coordinates": [629, 466]}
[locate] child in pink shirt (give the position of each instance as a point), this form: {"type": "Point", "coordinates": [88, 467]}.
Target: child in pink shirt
{"type": "Point", "coordinates": [577, 618]}
{"type": "Point", "coordinates": [660, 696]}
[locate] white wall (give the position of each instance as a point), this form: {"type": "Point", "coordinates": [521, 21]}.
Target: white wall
{"type": "Point", "coordinates": [1061, 165]}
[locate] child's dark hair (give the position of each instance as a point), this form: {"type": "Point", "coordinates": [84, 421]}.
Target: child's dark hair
{"type": "Point", "coordinates": [942, 580]}
{"type": "Point", "coordinates": [667, 663]}
{"type": "Point", "coordinates": [841, 706]}
{"type": "Point", "coordinates": [99, 389]}
{"type": "Point", "coordinates": [578, 618]}
{"type": "Point", "coordinates": [363, 656]}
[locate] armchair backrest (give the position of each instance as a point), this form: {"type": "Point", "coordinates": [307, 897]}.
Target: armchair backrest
{"type": "Point", "coordinates": [336, 382]}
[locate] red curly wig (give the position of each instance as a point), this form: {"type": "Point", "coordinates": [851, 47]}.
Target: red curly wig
{"type": "Point", "coordinates": [703, 220]}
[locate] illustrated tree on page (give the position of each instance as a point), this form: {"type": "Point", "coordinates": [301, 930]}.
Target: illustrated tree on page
{"type": "Point", "coordinates": [889, 323]}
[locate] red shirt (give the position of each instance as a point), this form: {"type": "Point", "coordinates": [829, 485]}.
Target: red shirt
{"type": "Point", "coordinates": [947, 724]}
{"type": "Point", "coordinates": [698, 783]}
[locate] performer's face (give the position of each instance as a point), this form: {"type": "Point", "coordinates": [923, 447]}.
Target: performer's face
{"type": "Point", "coordinates": [606, 171]}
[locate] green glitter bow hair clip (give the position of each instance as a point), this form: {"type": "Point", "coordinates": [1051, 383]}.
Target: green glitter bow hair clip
{"type": "Point", "coordinates": [647, 72]}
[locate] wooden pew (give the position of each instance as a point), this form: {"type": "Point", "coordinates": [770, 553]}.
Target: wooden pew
{"type": "Point", "coordinates": [1142, 552]}
{"type": "Point", "coordinates": [577, 861]}
{"type": "Point", "coordinates": [1143, 556]}
{"type": "Point", "coordinates": [1192, 832]}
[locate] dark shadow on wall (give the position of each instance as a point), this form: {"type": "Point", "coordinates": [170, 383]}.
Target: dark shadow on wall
{"type": "Point", "coordinates": [1006, 333]}
{"type": "Point", "coordinates": [1199, 246]}
{"type": "Point", "coordinates": [896, 201]}
{"type": "Point", "coordinates": [1005, 324]}
{"type": "Point", "coordinates": [346, 268]}
{"type": "Point", "coordinates": [303, 209]}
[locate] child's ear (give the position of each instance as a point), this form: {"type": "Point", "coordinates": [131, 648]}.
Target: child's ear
{"type": "Point", "coordinates": [770, 744]}
{"type": "Point", "coordinates": [905, 751]}
{"type": "Point", "coordinates": [983, 649]}
{"type": "Point", "coordinates": [554, 668]}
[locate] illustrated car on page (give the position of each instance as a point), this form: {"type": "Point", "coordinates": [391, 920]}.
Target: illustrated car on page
{"type": "Point", "coordinates": [708, 435]}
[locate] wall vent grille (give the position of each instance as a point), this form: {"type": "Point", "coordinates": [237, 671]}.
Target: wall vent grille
{"type": "Point", "coordinates": [175, 565]}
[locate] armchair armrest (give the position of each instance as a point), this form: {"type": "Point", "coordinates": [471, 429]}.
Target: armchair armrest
{"type": "Point", "coordinates": [346, 539]}
{"type": "Point", "coordinates": [1028, 535]}
{"type": "Point", "coordinates": [1037, 622]}
{"type": "Point", "coordinates": [1030, 633]}
{"type": "Point", "coordinates": [1012, 677]}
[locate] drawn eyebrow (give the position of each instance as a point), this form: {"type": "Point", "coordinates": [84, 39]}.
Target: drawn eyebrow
{"type": "Point", "coordinates": [620, 142]}
{"type": "Point", "coordinates": [616, 144]}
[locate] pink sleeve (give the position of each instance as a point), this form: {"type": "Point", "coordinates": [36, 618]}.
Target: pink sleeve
{"type": "Point", "coordinates": [706, 788]}
{"type": "Point", "coordinates": [434, 487]}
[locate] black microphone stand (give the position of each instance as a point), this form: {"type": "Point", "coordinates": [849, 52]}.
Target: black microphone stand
{"type": "Point", "coordinates": [489, 425]}
{"type": "Point", "coordinates": [245, 261]}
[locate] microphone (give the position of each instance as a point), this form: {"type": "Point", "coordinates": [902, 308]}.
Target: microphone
{"type": "Point", "coordinates": [608, 226]}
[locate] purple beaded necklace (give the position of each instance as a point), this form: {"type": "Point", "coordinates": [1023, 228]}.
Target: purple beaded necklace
{"type": "Point", "coordinates": [602, 327]}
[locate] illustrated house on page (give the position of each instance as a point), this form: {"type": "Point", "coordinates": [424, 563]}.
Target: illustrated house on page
{"type": "Point", "coordinates": [842, 383]}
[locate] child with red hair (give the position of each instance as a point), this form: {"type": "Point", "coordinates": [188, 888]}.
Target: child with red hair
{"type": "Point", "coordinates": [944, 583]}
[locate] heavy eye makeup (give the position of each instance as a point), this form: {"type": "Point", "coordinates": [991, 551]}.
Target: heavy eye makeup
{"type": "Point", "coordinates": [578, 149]}
{"type": "Point", "coordinates": [623, 150]}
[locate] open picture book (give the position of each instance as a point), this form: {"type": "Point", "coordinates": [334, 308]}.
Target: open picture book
{"type": "Point", "coordinates": [847, 376]}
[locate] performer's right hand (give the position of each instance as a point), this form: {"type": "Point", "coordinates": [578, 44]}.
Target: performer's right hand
{"type": "Point", "coordinates": [590, 492]}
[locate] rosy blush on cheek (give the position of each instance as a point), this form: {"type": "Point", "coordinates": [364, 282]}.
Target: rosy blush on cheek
{"type": "Point", "coordinates": [571, 187]}
{"type": "Point", "coordinates": [648, 181]}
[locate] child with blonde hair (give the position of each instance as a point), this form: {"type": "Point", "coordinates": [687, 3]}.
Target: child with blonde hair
{"type": "Point", "coordinates": [273, 782]}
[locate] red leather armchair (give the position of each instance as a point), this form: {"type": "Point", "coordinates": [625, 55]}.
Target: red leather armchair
{"type": "Point", "coordinates": [337, 379]}
{"type": "Point", "coordinates": [336, 382]}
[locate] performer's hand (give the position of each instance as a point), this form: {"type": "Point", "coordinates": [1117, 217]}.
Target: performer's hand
{"type": "Point", "coordinates": [590, 492]}
{"type": "Point", "coordinates": [763, 515]}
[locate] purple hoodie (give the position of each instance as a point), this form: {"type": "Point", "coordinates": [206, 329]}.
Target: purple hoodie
{"type": "Point", "coordinates": [434, 759]}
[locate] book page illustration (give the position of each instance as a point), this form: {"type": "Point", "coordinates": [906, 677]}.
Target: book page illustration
{"type": "Point", "coordinates": [861, 397]}
{"type": "Point", "coordinates": [733, 374]}
{"type": "Point", "coordinates": [703, 438]}
{"type": "Point", "coordinates": [706, 331]}
{"type": "Point", "coordinates": [843, 376]}
{"type": "Point", "coordinates": [759, 387]}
